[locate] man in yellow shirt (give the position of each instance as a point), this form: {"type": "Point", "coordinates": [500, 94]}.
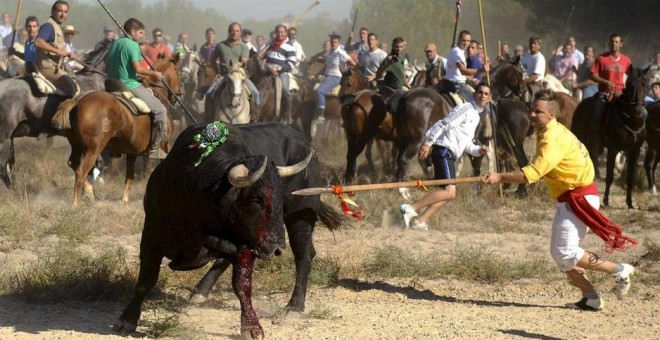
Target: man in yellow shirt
{"type": "Point", "coordinates": [564, 165]}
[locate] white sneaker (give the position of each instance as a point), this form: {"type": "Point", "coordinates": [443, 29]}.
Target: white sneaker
{"type": "Point", "coordinates": [622, 279]}
{"type": "Point", "coordinates": [408, 213]}
{"type": "Point", "coordinates": [419, 226]}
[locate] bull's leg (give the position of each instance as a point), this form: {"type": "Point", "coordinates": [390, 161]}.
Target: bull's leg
{"type": "Point", "coordinates": [632, 157]}
{"type": "Point", "coordinates": [203, 288]}
{"type": "Point", "coordinates": [150, 259]}
{"type": "Point", "coordinates": [300, 239]}
{"type": "Point", "coordinates": [241, 280]}
{"type": "Point", "coordinates": [130, 176]}
{"type": "Point", "coordinates": [650, 163]}
{"type": "Point", "coordinates": [609, 173]}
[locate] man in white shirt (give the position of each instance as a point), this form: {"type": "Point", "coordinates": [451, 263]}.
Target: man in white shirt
{"type": "Point", "coordinates": [5, 28]}
{"type": "Point", "coordinates": [455, 78]}
{"type": "Point", "coordinates": [334, 61]}
{"type": "Point", "coordinates": [446, 141]}
{"type": "Point", "coordinates": [370, 61]}
{"type": "Point", "coordinates": [246, 37]}
{"type": "Point", "coordinates": [300, 54]}
{"type": "Point", "coordinates": [534, 66]}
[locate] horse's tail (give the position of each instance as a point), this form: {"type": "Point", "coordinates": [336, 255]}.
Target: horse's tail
{"type": "Point", "coordinates": [62, 118]}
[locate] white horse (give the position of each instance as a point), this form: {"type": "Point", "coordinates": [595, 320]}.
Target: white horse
{"type": "Point", "coordinates": [231, 100]}
{"type": "Point", "coordinates": [188, 69]}
{"type": "Point", "coordinates": [555, 85]}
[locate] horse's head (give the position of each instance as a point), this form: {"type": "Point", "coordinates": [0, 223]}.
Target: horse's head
{"type": "Point", "coordinates": [313, 67]}
{"type": "Point", "coordinates": [236, 77]}
{"type": "Point", "coordinates": [352, 81]}
{"type": "Point", "coordinates": [508, 79]}
{"type": "Point", "coordinates": [188, 68]}
{"type": "Point", "coordinates": [168, 68]}
{"type": "Point", "coordinates": [636, 88]}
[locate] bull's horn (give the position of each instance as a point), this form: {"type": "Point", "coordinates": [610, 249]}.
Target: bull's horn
{"type": "Point", "coordinates": [287, 171]}
{"type": "Point", "coordinates": [240, 177]}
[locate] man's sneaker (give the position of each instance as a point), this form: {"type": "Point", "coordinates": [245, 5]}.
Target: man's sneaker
{"type": "Point", "coordinates": [622, 279]}
{"type": "Point", "coordinates": [416, 225]}
{"type": "Point", "coordinates": [408, 213]}
{"type": "Point", "coordinates": [592, 305]}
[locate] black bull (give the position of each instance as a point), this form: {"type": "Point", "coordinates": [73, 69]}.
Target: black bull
{"type": "Point", "coordinates": [194, 216]}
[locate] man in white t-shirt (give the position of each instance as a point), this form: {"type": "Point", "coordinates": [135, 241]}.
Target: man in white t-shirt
{"type": "Point", "coordinates": [372, 59]}
{"type": "Point", "coordinates": [292, 34]}
{"type": "Point", "coordinates": [534, 66]}
{"type": "Point", "coordinates": [454, 79]}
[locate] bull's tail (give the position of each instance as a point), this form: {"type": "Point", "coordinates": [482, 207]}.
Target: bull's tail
{"type": "Point", "coordinates": [331, 218]}
{"type": "Point", "coordinates": [62, 118]}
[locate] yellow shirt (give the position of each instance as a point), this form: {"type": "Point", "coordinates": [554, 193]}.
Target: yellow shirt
{"type": "Point", "coordinates": [561, 160]}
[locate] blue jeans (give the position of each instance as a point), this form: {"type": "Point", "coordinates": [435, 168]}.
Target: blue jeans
{"type": "Point", "coordinates": [599, 108]}
{"type": "Point", "coordinates": [589, 91]}
{"type": "Point", "coordinates": [255, 93]}
{"type": "Point", "coordinates": [325, 87]}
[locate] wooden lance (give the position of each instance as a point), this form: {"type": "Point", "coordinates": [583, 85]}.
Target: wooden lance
{"type": "Point", "coordinates": [16, 21]}
{"type": "Point", "coordinates": [381, 186]}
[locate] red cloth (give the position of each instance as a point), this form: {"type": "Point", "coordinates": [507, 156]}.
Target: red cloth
{"type": "Point", "coordinates": [611, 233]}
{"type": "Point", "coordinates": [276, 44]}
{"type": "Point", "coordinates": [608, 68]}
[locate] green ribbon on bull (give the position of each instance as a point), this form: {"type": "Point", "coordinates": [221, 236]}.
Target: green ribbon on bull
{"type": "Point", "coordinates": [210, 138]}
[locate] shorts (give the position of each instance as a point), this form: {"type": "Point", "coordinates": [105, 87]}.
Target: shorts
{"type": "Point", "coordinates": [443, 163]}
{"type": "Point", "coordinates": [567, 234]}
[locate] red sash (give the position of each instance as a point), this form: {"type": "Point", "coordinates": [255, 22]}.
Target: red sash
{"type": "Point", "coordinates": [611, 233]}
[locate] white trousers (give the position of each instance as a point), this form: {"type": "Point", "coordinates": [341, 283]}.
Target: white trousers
{"type": "Point", "coordinates": [567, 235]}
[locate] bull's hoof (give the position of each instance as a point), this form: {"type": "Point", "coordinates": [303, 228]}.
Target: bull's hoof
{"type": "Point", "coordinates": [197, 298]}
{"type": "Point", "coordinates": [251, 333]}
{"type": "Point", "coordinates": [124, 327]}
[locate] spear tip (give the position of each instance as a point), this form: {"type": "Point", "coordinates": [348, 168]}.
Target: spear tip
{"type": "Point", "coordinates": [310, 191]}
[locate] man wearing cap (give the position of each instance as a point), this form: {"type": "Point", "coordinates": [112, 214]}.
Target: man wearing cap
{"type": "Point", "coordinates": [457, 70]}
{"type": "Point", "coordinates": [370, 60]}
{"type": "Point", "coordinates": [108, 38]}
{"type": "Point", "coordinates": [334, 61]}
{"type": "Point", "coordinates": [436, 66]}
{"type": "Point", "coordinates": [157, 47]}
{"type": "Point", "coordinates": [69, 32]}
{"type": "Point", "coordinates": [50, 45]}
{"type": "Point", "coordinates": [246, 36]}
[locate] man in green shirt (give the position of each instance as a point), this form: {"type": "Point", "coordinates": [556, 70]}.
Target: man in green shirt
{"type": "Point", "coordinates": [235, 50]}
{"type": "Point", "coordinates": [394, 70]}
{"type": "Point", "coordinates": [124, 63]}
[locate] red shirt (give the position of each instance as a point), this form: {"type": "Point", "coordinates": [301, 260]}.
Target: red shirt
{"type": "Point", "coordinates": [613, 69]}
{"type": "Point", "coordinates": [152, 51]}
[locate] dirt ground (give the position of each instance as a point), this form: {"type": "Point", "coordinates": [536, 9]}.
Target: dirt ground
{"type": "Point", "coordinates": [367, 308]}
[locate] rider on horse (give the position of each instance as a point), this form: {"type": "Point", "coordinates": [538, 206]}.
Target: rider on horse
{"type": "Point", "coordinates": [233, 50]}
{"type": "Point", "coordinates": [281, 60]}
{"type": "Point", "coordinates": [609, 71]}
{"type": "Point", "coordinates": [455, 78]}
{"type": "Point", "coordinates": [334, 61]}
{"type": "Point", "coordinates": [534, 66]}
{"type": "Point", "coordinates": [124, 64]}
{"type": "Point", "coordinates": [394, 70]}
{"type": "Point", "coordinates": [50, 50]}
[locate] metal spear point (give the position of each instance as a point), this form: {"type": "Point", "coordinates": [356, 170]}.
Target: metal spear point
{"type": "Point", "coordinates": [381, 186]}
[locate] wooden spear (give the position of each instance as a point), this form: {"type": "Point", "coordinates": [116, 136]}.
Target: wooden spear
{"type": "Point", "coordinates": [16, 21]}
{"type": "Point", "coordinates": [380, 186]}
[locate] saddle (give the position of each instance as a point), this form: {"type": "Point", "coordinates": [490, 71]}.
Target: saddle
{"type": "Point", "coordinates": [134, 104]}
{"type": "Point", "coordinates": [41, 87]}
{"type": "Point", "coordinates": [453, 98]}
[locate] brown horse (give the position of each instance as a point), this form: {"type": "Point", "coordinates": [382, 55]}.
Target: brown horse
{"type": "Point", "coordinates": [624, 129]}
{"type": "Point", "coordinates": [98, 120]}
{"type": "Point", "coordinates": [653, 142]}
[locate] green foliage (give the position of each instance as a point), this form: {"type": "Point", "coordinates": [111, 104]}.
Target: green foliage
{"type": "Point", "coordinates": [69, 274]}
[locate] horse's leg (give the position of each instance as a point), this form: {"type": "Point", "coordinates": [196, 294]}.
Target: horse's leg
{"type": "Point", "coordinates": [632, 156]}
{"type": "Point", "coordinates": [649, 167]}
{"type": "Point", "coordinates": [7, 163]}
{"type": "Point", "coordinates": [367, 154]}
{"type": "Point", "coordinates": [609, 173]}
{"type": "Point", "coordinates": [521, 157]}
{"type": "Point", "coordinates": [130, 176]}
{"type": "Point", "coordinates": [86, 163]}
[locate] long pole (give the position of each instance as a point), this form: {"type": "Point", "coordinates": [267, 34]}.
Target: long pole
{"type": "Point", "coordinates": [178, 100]}
{"type": "Point", "coordinates": [381, 186]}
{"type": "Point", "coordinates": [16, 21]}
{"type": "Point", "coordinates": [350, 38]}
{"type": "Point", "coordinates": [457, 15]}
{"type": "Point", "coordinates": [490, 106]}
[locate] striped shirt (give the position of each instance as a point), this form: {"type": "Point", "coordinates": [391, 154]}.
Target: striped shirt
{"type": "Point", "coordinates": [456, 131]}
{"type": "Point", "coordinates": [284, 57]}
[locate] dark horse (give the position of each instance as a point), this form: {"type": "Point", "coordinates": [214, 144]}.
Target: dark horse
{"type": "Point", "coordinates": [98, 120]}
{"type": "Point", "coordinates": [653, 142]}
{"type": "Point", "coordinates": [22, 114]}
{"type": "Point", "coordinates": [624, 130]}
